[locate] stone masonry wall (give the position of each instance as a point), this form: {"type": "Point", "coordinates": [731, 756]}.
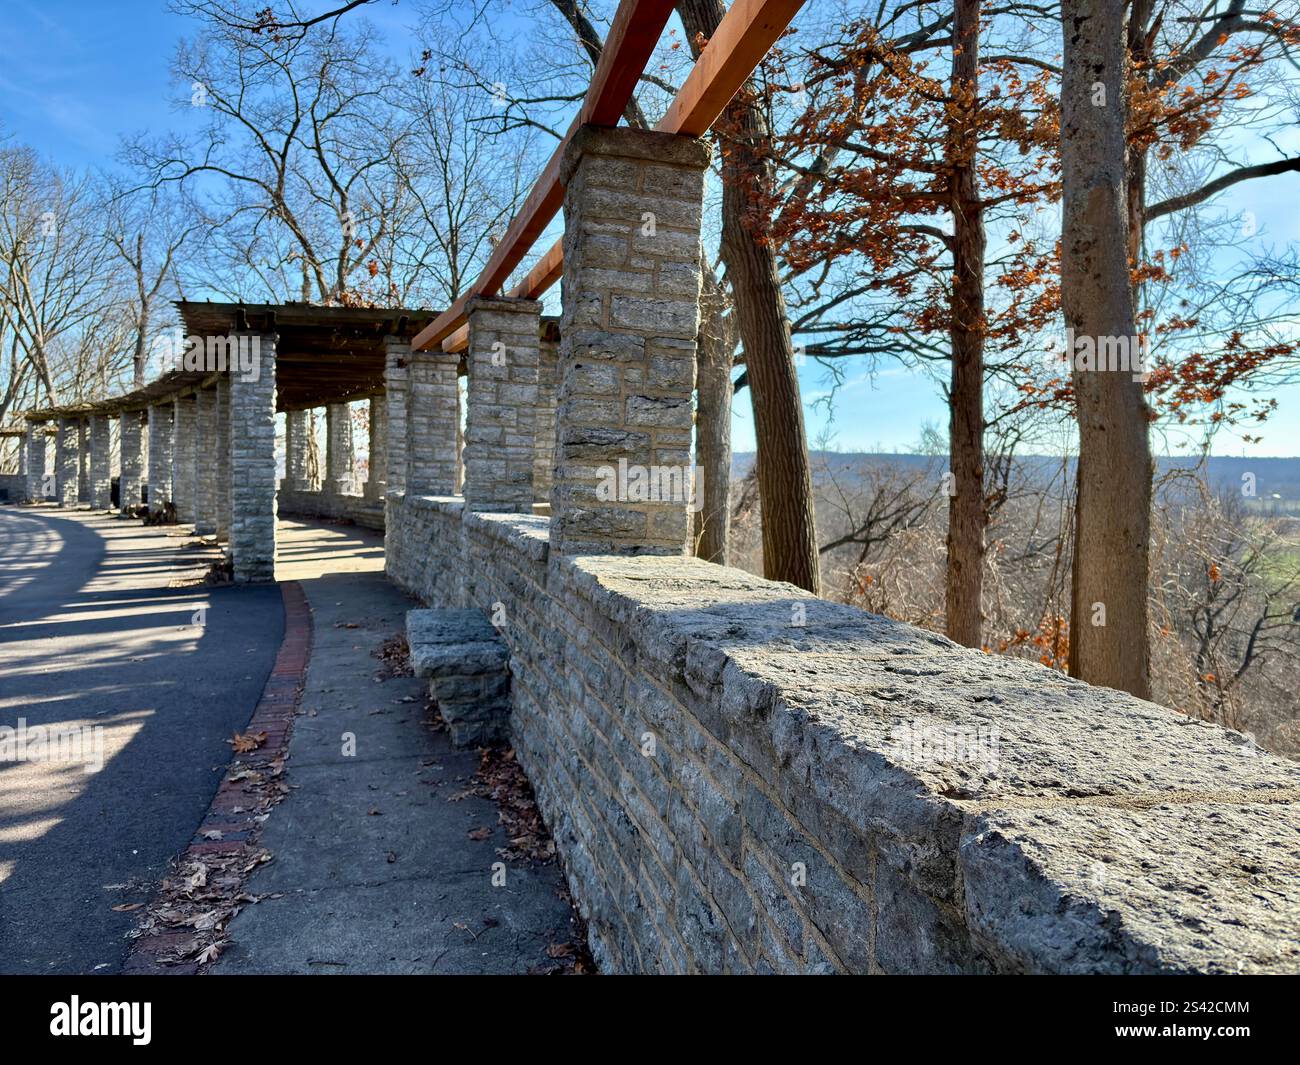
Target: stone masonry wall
{"type": "Point", "coordinates": [160, 455]}
{"type": "Point", "coordinates": [37, 441]}
{"type": "Point", "coordinates": [411, 524]}
{"type": "Point", "coordinates": [548, 353]}
{"type": "Point", "coordinates": [131, 436]}
{"type": "Point", "coordinates": [743, 778]}
{"type": "Point", "coordinates": [101, 462]}
{"type": "Point", "coordinates": [184, 456]}
{"type": "Point", "coordinates": [633, 203]}
{"type": "Point", "coordinates": [206, 447]}
{"type": "Point", "coordinates": [500, 429]}
{"type": "Point", "coordinates": [253, 468]}
{"type": "Point", "coordinates": [67, 462]}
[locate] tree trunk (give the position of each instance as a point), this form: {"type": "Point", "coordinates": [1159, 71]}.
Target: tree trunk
{"type": "Point", "coordinates": [713, 425]}
{"type": "Point", "coordinates": [784, 471]}
{"type": "Point", "coordinates": [139, 357]}
{"type": "Point", "coordinates": [967, 514]}
{"type": "Point", "coordinates": [1108, 617]}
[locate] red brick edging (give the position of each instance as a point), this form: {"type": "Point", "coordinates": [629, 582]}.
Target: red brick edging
{"type": "Point", "coordinates": [235, 807]}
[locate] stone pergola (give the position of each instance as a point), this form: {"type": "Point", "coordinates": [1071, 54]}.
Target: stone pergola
{"type": "Point", "coordinates": [202, 437]}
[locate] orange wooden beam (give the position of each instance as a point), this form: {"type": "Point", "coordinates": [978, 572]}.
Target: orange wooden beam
{"type": "Point", "coordinates": [744, 36]}
{"type": "Point", "coordinates": [637, 27]}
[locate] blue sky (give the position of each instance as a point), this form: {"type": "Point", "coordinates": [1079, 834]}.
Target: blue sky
{"type": "Point", "coordinates": [76, 75]}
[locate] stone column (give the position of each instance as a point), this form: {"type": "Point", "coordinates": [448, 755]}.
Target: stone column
{"type": "Point", "coordinates": [500, 427]}
{"type": "Point", "coordinates": [378, 460]}
{"type": "Point", "coordinates": [432, 418]}
{"type": "Point", "coordinates": [206, 446]}
{"type": "Point", "coordinates": [21, 456]}
{"type": "Point", "coordinates": [101, 463]}
{"type": "Point", "coordinates": [252, 463]}
{"type": "Point", "coordinates": [130, 433]}
{"type": "Point", "coordinates": [297, 425]}
{"type": "Point", "coordinates": [67, 461]}
{"type": "Point", "coordinates": [340, 478]}
{"type": "Point", "coordinates": [35, 462]}
{"type": "Point", "coordinates": [223, 457]}
{"type": "Point", "coordinates": [548, 354]}
{"type": "Point", "coordinates": [183, 456]}
{"type": "Point", "coordinates": [397, 355]}
{"type": "Point", "coordinates": [160, 454]}
{"type": "Point", "coordinates": [633, 203]}
{"type": "Point", "coordinates": [83, 461]}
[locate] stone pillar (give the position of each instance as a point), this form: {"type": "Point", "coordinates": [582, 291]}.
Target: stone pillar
{"type": "Point", "coordinates": [397, 355]}
{"type": "Point", "coordinates": [340, 478]}
{"type": "Point", "coordinates": [83, 461]}
{"type": "Point", "coordinates": [130, 433]}
{"type": "Point", "coordinates": [378, 460]}
{"type": "Point", "coordinates": [184, 451]}
{"type": "Point", "coordinates": [548, 354]}
{"type": "Point", "coordinates": [35, 462]}
{"type": "Point", "coordinates": [67, 461]}
{"type": "Point", "coordinates": [252, 463]}
{"type": "Point", "coordinates": [432, 418]}
{"type": "Point", "coordinates": [160, 454]}
{"type": "Point", "coordinates": [500, 427]}
{"type": "Point", "coordinates": [633, 203]}
{"type": "Point", "coordinates": [101, 463]}
{"type": "Point", "coordinates": [206, 446]}
{"type": "Point", "coordinates": [297, 425]}
{"type": "Point", "coordinates": [222, 437]}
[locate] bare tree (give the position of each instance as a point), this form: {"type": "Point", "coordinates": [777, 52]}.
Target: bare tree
{"type": "Point", "coordinates": [1108, 620]}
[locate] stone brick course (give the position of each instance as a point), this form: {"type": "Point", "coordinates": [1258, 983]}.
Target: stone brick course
{"type": "Point", "coordinates": [501, 425]}
{"type": "Point", "coordinates": [743, 778]}
{"type": "Point", "coordinates": [160, 455]}
{"type": "Point", "coordinates": [67, 462]}
{"type": "Point", "coordinates": [632, 210]}
{"type": "Point", "coordinates": [101, 462]}
{"type": "Point", "coordinates": [253, 468]}
{"type": "Point", "coordinates": [37, 438]}
{"type": "Point", "coordinates": [184, 457]}
{"type": "Point", "coordinates": [131, 439]}
{"type": "Point", "coordinates": [206, 447]}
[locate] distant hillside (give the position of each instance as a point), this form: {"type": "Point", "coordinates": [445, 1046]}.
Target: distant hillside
{"type": "Point", "coordinates": [1274, 477]}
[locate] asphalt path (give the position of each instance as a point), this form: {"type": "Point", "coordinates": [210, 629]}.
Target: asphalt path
{"type": "Point", "coordinates": [97, 639]}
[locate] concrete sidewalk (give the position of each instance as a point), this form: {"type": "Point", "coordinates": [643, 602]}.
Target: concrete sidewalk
{"type": "Point", "coordinates": [377, 861]}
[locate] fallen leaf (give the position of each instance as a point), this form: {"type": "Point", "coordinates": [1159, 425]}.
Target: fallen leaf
{"type": "Point", "coordinates": [480, 833]}
{"type": "Point", "coordinates": [127, 907]}
{"type": "Point", "coordinates": [211, 952]}
{"type": "Point", "coordinates": [243, 742]}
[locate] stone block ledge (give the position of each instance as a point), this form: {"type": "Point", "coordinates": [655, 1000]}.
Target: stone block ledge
{"type": "Point", "coordinates": [467, 667]}
{"type": "Point", "coordinates": [744, 778]}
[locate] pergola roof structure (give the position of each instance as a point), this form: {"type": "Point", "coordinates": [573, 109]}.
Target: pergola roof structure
{"type": "Point", "coordinates": [324, 354]}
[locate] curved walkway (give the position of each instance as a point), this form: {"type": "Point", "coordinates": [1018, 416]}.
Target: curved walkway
{"type": "Point", "coordinates": [98, 632]}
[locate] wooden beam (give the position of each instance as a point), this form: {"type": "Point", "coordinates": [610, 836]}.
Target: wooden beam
{"type": "Point", "coordinates": [633, 35]}
{"type": "Point", "coordinates": [744, 36]}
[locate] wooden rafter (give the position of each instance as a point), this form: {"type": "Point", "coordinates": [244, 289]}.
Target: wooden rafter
{"type": "Point", "coordinates": [744, 36]}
